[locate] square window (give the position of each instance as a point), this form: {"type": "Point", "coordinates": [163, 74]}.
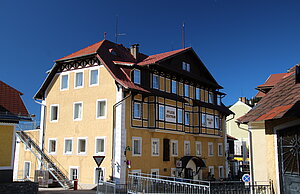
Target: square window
{"type": "Point", "coordinates": [155, 146]}
{"type": "Point", "coordinates": [64, 84]}
{"type": "Point", "coordinates": [155, 81]}
{"type": "Point", "coordinates": [52, 146]}
{"type": "Point", "coordinates": [174, 87]}
{"type": "Point", "coordinates": [174, 147]}
{"type": "Point", "coordinates": [136, 146]}
{"type": "Point", "coordinates": [54, 113]}
{"type": "Point", "coordinates": [198, 148]}
{"type": "Point", "coordinates": [136, 110]}
{"type": "Point", "coordinates": [68, 146]}
{"type": "Point", "coordinates": [81, 146]}
{"type": "Point", "coordinates": [137, 76]}
{"type": "Point", "coordinates": [100, 145]}
{"type": "Point", "coordinates": [161, 113]}
{"type": "Point", "coordinates": [210, 149]}
{"type": "Point", "coordinates": [77, 111]}
{"type": "Point", "coordinates": [94, 77]}
{"type": "Point", "coordinates": [78, 79]}
{"type": "Point", "coordinates": [101, 108]}
{"type": "Point", "coordinates": [187, 148]}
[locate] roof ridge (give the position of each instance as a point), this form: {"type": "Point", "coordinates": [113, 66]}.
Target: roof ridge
{"type": "Point", "coordinates": [11, 87]}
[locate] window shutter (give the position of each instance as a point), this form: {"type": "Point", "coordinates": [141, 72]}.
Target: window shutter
{"type": "Point", "coordinates": [166, 150]}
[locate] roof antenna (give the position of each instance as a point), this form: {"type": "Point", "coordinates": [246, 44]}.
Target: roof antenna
{"type": "Point", "coordinates": [117, 32]}
{"type": "Point", "coordinates": [182, 36]}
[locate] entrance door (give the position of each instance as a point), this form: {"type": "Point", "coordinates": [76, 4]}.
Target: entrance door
{"type": "Point", "coordinates": [289, 160]}
{"type": "Point", "coordinates": [188, 173]}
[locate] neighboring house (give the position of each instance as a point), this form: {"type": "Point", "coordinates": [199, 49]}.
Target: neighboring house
{"type": "Point", "coordinates": [12, 111]}
{"type": "Point", "coordinates": [275, 126]}
{"type": "Point", "coordinates": [241, 145]}
{"type": "Point", "coordinates": [145, 114]}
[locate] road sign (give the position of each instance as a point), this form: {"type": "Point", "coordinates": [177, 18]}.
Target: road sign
{"type": "Point", "coordinates": [98, 160]}
{"type": "Point", "coordinates": [246, 178]}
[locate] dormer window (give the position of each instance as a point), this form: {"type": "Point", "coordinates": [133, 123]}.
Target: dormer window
{"type": "Point", "coordinates": [186, 66]}
{"type": "Point", "coordinates": [137, 76]}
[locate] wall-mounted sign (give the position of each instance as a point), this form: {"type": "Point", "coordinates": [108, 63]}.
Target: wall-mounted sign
{"type": "Point", "coordinates": [170, 114]}
{"type": "Point", "coordinates": [210, 121]}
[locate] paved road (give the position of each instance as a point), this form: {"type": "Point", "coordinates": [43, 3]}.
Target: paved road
{"type": "Point", "coordinates": [66, 192]}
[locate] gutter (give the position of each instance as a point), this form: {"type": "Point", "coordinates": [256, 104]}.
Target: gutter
{"type": "Point", "coordinates": [114, 129]}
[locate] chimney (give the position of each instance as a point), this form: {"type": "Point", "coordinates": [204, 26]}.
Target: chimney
{"type": "Point", "coordinates": [243, 99]}
{"type": "Point", "coordinates": [134, 50]}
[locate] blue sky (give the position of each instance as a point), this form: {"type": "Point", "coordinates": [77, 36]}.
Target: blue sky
{"type": "Point", "coordinates": [240, 41]}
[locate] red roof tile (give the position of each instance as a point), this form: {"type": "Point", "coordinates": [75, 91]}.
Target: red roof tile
{"type": "Point", "coordinates": [274, 79]}
{"type": "Point", "coordinates": [11, 101]}
{"type": "Point", "coordinates": [277, 102]}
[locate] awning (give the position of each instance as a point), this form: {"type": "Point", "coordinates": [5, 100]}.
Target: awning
{"type": "Point", "coordinates": [197, 160]}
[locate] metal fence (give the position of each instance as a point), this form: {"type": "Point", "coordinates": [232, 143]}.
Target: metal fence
{"type": "Point", "coordinates": [110, 187]}
{"type": "Point", "coordinates": [238, 187]}
{"type": "Point", "coordinates": [145, 183]}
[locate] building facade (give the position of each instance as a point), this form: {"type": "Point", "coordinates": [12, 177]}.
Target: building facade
{"type": "Point", "coordinates": [159, 114]}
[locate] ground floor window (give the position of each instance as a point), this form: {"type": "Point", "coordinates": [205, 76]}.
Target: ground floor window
{"type": "Point", "coordinates": [26, 169]}
{"type": "Point", "coordinates": [74, 173]}
{"type": "Point", "coordinates": [154, 173]}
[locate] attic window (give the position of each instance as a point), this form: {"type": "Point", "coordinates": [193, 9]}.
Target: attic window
{"type": "Point", "coordinates": [113, 52]}
{"type": "Point", "coordinates": [186, 66]}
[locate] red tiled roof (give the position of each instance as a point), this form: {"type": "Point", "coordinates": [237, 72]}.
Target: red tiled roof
{"type": "Point", "coordinates": [273, 79]}
{"type": "Point", "coordinates": [11, 101]}
{"type": "Point", "coordinates": [158, 57]}
{"type": "Point", "coordinates": [92, 49]}
{"type": "Point", "coordinates": [277, 102]}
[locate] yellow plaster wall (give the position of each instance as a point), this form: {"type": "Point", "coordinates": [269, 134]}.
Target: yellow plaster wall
{"type": "Point", "coordinates": [6, 149]}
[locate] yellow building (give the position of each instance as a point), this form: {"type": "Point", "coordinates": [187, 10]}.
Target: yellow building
{"type": "Point", "coordinates": [12, 110]}
{"type": "Point", "coordinates": [274, 124]}
{"type": "Point", "coordinates": [143, 113]}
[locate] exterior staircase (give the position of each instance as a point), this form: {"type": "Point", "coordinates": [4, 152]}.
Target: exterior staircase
{"type": "Point", "coordinates": [51, 164]}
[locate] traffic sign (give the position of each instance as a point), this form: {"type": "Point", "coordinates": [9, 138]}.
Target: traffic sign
{"type": "Point", "coordinates": [98, 160]}
{"type": "Point", "coordinates": [246, 178]}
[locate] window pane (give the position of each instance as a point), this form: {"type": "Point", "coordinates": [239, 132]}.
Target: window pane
{"type": "Point", "coordinates": [186, 118]}
{"type": "Point", "coordinates": [54, 113]}
{"type": "Point", "coordinates": [137, 76]}
{"type": "Point", "coordinates": [52, 146]}
{"type": "Point", "coordinates": [197, 93]}
{"type": "Point", "coordinates": [64, 81]}
{"type": "Point", "coordinates": [79, 79]}
{"type": "Point", "coordinates": [203, 120]}
{"type": "Point", "coordinates": [136, 144]}
{"type": "Point", "coordinates": [68, 145]}
{"type": "Point", "coordinates": [155, 82]}
{"type": "Point", "coordinates": [94, 77]}
{"type": "Point", "coordinates": [211, 97]}
{"type": "Point", "coordinates": [174, 87]}
{"type": "Point", "coordinates": [137, 110]}
{"type": "Point", "coordinates": [101, 108]}
{"type": "Point", "coordinates": [81, 146]}
{"type": "Point", "coordinates": [179, 115]}
{"type": "Point", "coordinates": [77, 111]}
{"type": "Point", "coordinates": [161, 113]}
{"type": "Point", "coordinates": [216, 122]}
{"type": "Point", "coordinates": [100, 145]}
{"type": "Point", "coordinates": [186, 90]}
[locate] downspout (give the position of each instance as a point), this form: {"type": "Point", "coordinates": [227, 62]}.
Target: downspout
{"type": "Point", "coordinates": [113, 136]}
{"type": "Point", "coordinates": [251, 153]}
{"type": "Point", "coordinates": [42, 127]}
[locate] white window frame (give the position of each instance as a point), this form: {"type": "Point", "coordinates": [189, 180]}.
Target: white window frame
{"type": "Point", "coordinates": [158, 83]}
{"type": "Point", "coordinates": [157, 173]}
{"type": "Point", "coordinates": [104, 144]}
{"type": "Point", "coordinates": [86, 142]}
{"type": "Point", "coordinates": [24, 175]}
{"type": "Point", "coordinates": [61, 81]}
{"type": "Point", "coordinates": [71, 175]}
{"type": "Point", "coordinates": [49, 148]}
{"type": "Point", "coordinates": [77, 119]}
{"type": "Point", "coordinates": [90, 76]}
{"type": "Point", "coordinates": [158, 146]}
{"type": "Point", "coordinates": [208, 147]}
{"type": "Point", "coordinates": [222, 150]}
{"type": "Point", "coordinates": [65, 152]}
{"type": "Point", "coordinates": [75, 79]}
{"type": "Point", "coordinates": [97, 107]}
{"type": "Point", "coordinates": [139, 111]}
{"type": "Point", "coordinates": [140, 144]}
{"type": "Point", "coordinates": [200, 151]}
{"type": "Point", "coordinates": [211, 169]}
{"type": "Point", "coordinates": [51, 119]}
{"type": "Point", "coordinates": [135, 76]}
{"type": "Point", "coordinates": [187, 152]}
{"type": "Point", "coordinates": [161, 115]}
{"type": "Point", "coordinates": [176, 142]}
{"type": "Point", "coordinates": [103, 174]}
{"type": "Point", "coordinates": [221, 175]}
